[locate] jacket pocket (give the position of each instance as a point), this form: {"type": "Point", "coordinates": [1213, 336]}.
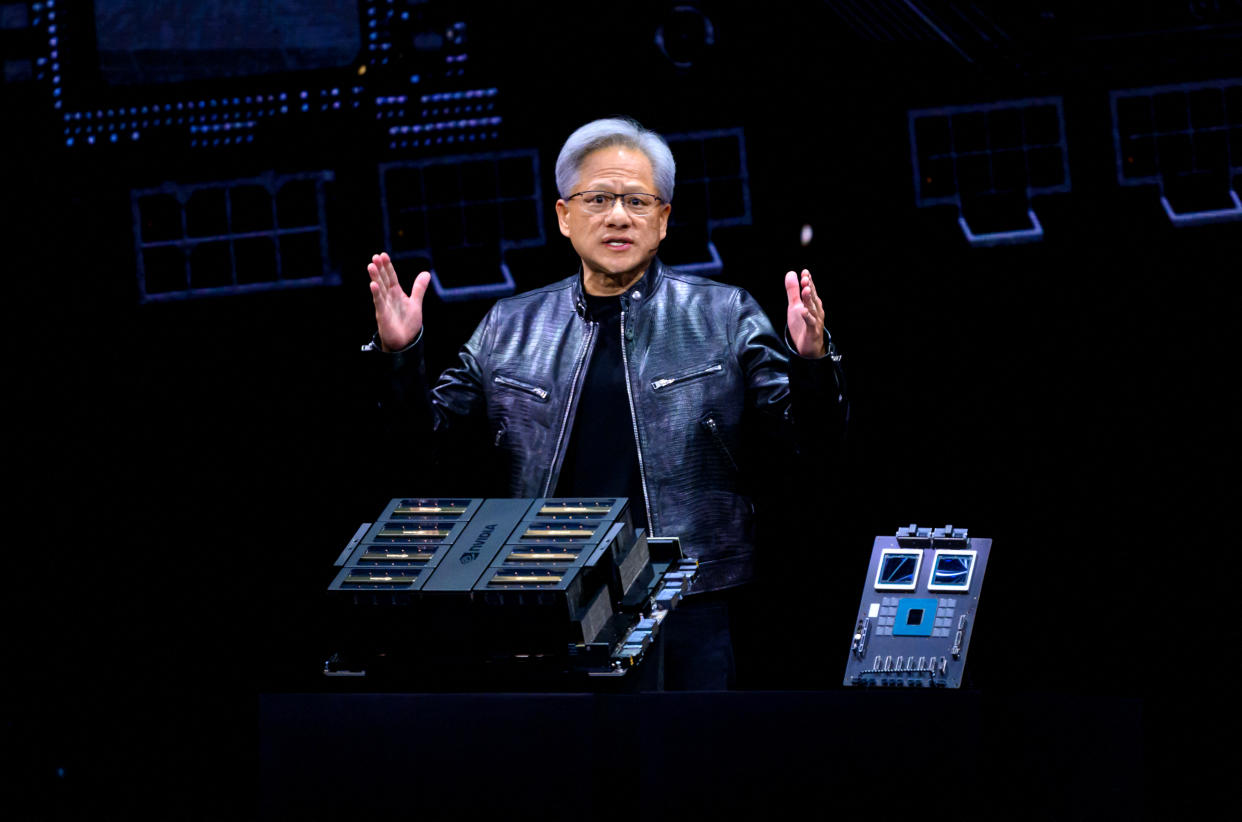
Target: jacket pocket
{"type": "Point", "coordinates": [686, 376]}
{"type": "Point", "coordinates": [540, 394]}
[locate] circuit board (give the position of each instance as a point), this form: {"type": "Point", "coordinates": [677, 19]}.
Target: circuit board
{"type": "Point", "coordinates": [918, 609]}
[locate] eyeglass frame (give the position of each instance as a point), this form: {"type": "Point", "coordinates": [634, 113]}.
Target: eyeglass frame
{"type": "Point", "coordinates": [617, 198]}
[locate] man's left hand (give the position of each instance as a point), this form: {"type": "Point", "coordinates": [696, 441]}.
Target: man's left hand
{"type": "Point", "coordinates": [805, 315]}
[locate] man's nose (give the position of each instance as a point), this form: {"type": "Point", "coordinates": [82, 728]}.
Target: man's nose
{"type": "Point", "coordinates": [613, 218]}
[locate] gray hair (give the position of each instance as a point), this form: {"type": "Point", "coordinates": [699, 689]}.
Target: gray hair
{"type": "Point", "coordinates": [615, 132]}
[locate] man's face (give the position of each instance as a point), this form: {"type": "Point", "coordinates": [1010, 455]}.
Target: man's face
{"type": "Point", "coordinates": [615, 244]}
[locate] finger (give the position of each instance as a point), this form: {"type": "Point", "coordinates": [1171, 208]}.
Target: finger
{"type": "Point", "coordinates": [379, 294]}
{"type": "Point", "coordinates": [384, 266]}
{"type": "Point", "coordinates": [809, 282]}
{"type": "Point", "coordinates": [791, 288]}
{"type": "Point", "coordinates": [390, 271]}
{"type": "Point", "coordinates": [420, 286]}
{"type": "Point", "coordinates": [811, 301]}
{"type": "Point", "coordinates": [812, 321]}
{"type": "Point", "coordinates": [376, 269]}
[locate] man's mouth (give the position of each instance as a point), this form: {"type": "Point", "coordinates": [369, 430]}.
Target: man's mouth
{"type": "Point", "coordinates": [614, 243]}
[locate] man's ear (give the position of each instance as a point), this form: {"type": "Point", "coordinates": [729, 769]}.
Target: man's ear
{"type": "Point", "coordinates": [562, 216]}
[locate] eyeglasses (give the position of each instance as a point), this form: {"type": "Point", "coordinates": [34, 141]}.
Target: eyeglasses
{"type": "Point", "coordinates": [601, 202]}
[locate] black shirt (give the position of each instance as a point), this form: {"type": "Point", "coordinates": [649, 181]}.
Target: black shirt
{"type": "Point", "coordinates": [602, 456]}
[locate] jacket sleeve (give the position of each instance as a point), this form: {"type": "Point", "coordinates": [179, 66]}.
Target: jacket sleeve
{"type": "Point", "coordinates": [800, 402]}
{"type": "Point", "coordinates": [411, 410]}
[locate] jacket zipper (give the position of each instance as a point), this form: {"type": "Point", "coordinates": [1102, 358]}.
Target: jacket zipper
{"type": "Point", "coordinates": [714, 429]}
{"type": "Point", "coordinates": [656, 385]}
{"type": "Point", "coordinates": [521, 386]}
{"type": "Point", "coordinates": [638, 446]}
{"type": "Point", "coordinates": [569, 404]}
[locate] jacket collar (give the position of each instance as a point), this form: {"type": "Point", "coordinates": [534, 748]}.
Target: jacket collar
{"type": "Point", "coordinates": [642, 291]}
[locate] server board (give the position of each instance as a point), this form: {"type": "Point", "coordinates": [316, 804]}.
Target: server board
{"type": "Point", "coordinates": [489, 579]}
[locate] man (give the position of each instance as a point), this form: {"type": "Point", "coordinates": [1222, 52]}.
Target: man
{"type": "Point", "coordinates": [629, 378]}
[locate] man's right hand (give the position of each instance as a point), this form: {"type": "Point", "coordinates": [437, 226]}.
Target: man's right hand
{"type": "Point", "coordinates": [398, 316]}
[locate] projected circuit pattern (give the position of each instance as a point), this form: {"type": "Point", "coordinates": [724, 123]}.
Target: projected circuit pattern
{"type": "Point", "coordinates": [254, 234]}
{"type": "Point", "coordinates": [458, 216]}
{"type": "Point", "coordinates": [996, 151]}
{"type": "Point", "coordinates": [1186, 140]}
{"type": "Point", "coordinates": [713, 191]}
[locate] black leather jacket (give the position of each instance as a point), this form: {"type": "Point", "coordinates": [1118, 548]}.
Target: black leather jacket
{"type": "Point", "coordinates": [704, 363]}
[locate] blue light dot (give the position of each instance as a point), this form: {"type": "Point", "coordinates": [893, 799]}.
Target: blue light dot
{"type": "Point", "coordinates": [55, 92]}
{"type": "Point", "coordinates": [68, 142]}
{"type": "Point", "coordinates": [305, 107]}
{"type": "Point", "coordinates": [133, 135]}
{"type": "Point", "coordinates": [91, 139]}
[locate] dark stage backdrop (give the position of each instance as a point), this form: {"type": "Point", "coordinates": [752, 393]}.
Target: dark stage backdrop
{"type": "Point", "coordinates": [183, 473]}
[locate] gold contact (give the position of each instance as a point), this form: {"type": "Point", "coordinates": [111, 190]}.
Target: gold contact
{"type": "Point", "coordinates": [558, 532]}
{"type": "Point", "coordinates": [384, 555]}
{"type": "Point", "coordinates": [430, 509]}
{"type": "Point", "coordinates": [575, 509]}
{"type": "Point", "coordinates": [541, 555]}
{"type": "Point", "coordinates": [413, 532]}
{"type": "Point", "coordinates": [372, 578]}
{"type": "Point", "coordinates": [523, 579]}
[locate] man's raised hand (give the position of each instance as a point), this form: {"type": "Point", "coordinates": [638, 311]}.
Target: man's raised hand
{"type": "Point", "coordinates": [398, 316]}
{"type": "Point", "coordinates": [805, 315]}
